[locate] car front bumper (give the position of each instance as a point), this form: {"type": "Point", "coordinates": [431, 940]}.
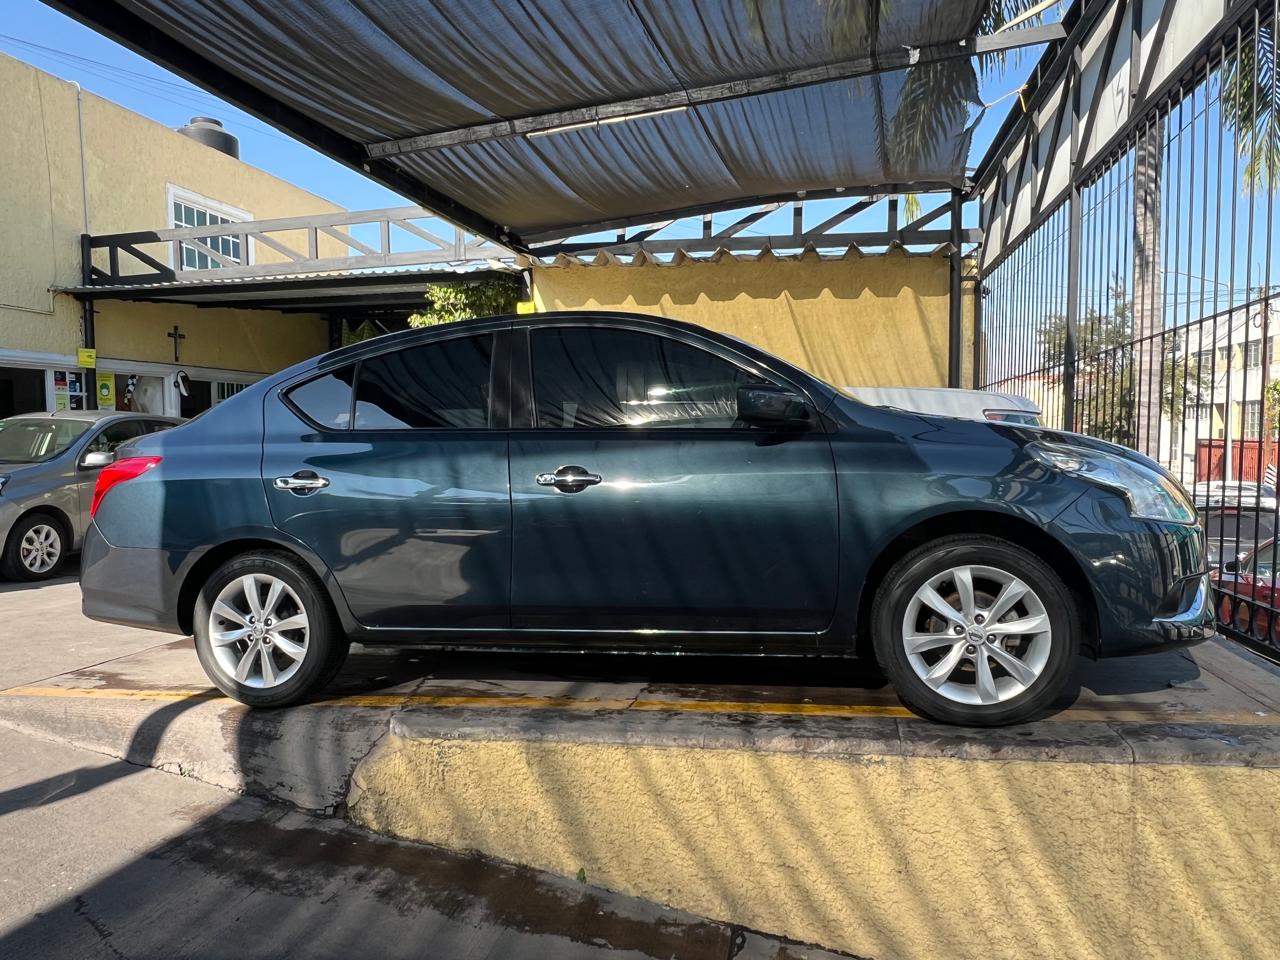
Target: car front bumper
{"type": "Point", "coordinates": [1195, 624]}
{"type": "Point", "coordinates": [1149, 579]}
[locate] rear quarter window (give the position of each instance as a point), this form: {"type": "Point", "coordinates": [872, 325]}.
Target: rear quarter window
{"type": "Point", "coordinates": [326, 399]}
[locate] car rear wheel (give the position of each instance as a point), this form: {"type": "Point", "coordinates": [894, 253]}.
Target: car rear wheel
{"type": "Point", "coordinates": [265, 632]}
{"type": "Point", "coordinates": [976, 631]}
{"type": "Point", "coordinates": [36, 547]}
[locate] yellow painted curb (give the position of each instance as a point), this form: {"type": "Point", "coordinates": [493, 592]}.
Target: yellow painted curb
{"type": "Point", "coordinates": [513, 702]}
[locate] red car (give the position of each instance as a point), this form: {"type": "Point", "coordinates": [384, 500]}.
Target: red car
{"type": "Point", "coordinates": [1249, 595]}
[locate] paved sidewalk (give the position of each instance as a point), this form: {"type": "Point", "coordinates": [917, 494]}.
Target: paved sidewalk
{"type": "Point", "coordinates": [100, 858]}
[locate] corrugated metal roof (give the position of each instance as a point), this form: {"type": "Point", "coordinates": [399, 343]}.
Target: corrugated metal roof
{"type": "Point", "coordinates": [607, 258]}
{"type": "Point", "coordinates": [325, 279]}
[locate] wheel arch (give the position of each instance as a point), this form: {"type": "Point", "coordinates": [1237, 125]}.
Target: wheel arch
{"type": "Point", "coordinates": [55, 513]}
{"type": "Point", "coordinates": [1012, 528]}
{"type": "Point", "coordinates": [209, 561]}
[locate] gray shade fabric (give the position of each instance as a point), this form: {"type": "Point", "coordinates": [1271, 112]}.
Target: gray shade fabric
{"type": "Point", "coordinates": [378, 70]}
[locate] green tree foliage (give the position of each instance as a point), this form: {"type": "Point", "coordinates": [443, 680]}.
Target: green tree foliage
{"type": "Point", "coordinates": [1107, 379]}
{"type": "Point", "coordinates": [464, 299]}
{"type": "Point", "coordinates": [1248, 102]}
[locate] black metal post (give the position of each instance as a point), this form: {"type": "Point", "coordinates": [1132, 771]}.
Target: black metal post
{"type": "Point", "coordinates": [978, 346]}
{"type": "Point", "coordinates": [1074, 213]}
{"type": "Point", "coordinates": [956, 327]}
{"type": "Point", "coordinates": [89, 329]}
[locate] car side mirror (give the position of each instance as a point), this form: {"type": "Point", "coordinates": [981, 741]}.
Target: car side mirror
{"type": "Point", "coordinates": [768, 405]}
{"type": "Point", "coordinates": [1231, 566]}
{"type": "Point", "coordinates": [96, 459]}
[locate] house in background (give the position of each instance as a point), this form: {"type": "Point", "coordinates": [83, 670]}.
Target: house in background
{"type": "Point", "coordinates": [72, 163]}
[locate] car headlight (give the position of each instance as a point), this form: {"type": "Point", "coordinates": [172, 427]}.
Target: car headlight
{"type": "Point", "coordinates": [2, 483]}
{"type": "Point", "coordinates": [1151, 495]}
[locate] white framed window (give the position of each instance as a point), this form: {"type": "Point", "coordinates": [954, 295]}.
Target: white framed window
{"type": "Point", "coordinates": [1253, 354]}
{"type": "Point", "coordinates": [226, 389]}
{"type": "Point", "coordinates": [1202, 412]}
{"type": "Point", "coordinates": [1252, 419]}
{"type": "Point", "coordinates": [189, 209]}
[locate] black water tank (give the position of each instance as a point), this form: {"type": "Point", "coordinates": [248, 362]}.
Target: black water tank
{"type": "Point", "coordinates": [208, 131]}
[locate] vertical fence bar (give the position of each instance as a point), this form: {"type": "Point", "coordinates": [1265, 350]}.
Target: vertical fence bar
{"type": "Point", "coordinates": [956, 339]}
{"type": "Point", "coordinates": [1073, 256]}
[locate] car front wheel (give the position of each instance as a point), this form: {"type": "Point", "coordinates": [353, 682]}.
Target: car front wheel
{"type": "Point", "coordinates": [975, 630]}
{"type": "Point", "coordinates": [265, 633]}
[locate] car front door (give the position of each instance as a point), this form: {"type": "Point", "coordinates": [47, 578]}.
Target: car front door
{"type": "Point", "coordinates": [391, 470]}
{"type": "Point", "coordinates": [682, 518]}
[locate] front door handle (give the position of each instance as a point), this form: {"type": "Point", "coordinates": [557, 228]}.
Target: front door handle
{"type": "Point", "coordinates": [302, 482]}
{"type": "Point", "coordinates": [569, 479]}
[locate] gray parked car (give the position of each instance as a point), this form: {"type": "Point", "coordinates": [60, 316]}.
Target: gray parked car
{"type": "Point", "coordinates": [48, 465]}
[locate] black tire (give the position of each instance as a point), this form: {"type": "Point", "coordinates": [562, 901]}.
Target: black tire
{"type": "Point", "coordinates": [11, 565]}
{"type": "Point", "coordinates": [326, 644]}
{"type": "Point", "coordinates": [909, 574]}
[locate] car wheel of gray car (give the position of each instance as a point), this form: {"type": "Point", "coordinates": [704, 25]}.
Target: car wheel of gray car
{"type": "Point", "coordinates": [36, 547]}
{"type": "Point", "coordinates": [265, 632]}
{"type": "Point", "coordinates": [976, 631]}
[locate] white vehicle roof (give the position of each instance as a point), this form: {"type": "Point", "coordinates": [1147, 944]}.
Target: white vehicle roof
{"type": "Point", "coordinates": [944, 401]}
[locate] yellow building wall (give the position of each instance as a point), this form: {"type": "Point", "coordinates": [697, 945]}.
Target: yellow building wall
{"type": "Point", "coordinates": [857, 320]}
{"type": "Point", "coordinates": [251, 340]}
{"type": "Point", "coordinates": [129, 163]}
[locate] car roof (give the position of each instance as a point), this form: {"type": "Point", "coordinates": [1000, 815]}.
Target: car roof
{"type": "Point", "coordinates": [92, 416]}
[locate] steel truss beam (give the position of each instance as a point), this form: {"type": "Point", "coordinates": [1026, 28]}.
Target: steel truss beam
{"type": "Point", "coordinates": [729, 237]}
{"type": "Point", "coordinates": [1037, 159]}
{"type": "Point", "coordinates": [281, 235]}
{"type": "Point", "coordinates": [717, 92]}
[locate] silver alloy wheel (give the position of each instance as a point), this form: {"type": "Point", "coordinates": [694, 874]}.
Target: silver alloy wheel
{"type": "Point", "coordinates": [258, 631]}
{"type": "Point", "coordinates": [41, 548]}
{"type": "Point", "coordinates": [977, 634]}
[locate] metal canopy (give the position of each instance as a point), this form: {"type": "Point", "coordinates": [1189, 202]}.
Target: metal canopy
{"type": "Point", "coordinates": [383, 291]}
{"type": "Point", "coordinates": [528, 119]}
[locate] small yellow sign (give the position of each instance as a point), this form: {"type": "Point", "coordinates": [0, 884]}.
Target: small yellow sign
{"type": "Point", "coordinates": [525, 306]}
{"type": "Point", "coordinates": [87, 357]}
{"type": "Point", "coordinates": [106, 391]}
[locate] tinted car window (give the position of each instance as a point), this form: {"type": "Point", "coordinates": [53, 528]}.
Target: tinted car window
{"type": "Point", "coordinates": [587, 377]}
{"type": "Point", "coordinates": [327, 399]}
{"type": "Point", "coordinates": [115, 434]}
{"type": "Point", "coordinates": [439, 385]}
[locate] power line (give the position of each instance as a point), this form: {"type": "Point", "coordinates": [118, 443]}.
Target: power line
{"type": "Point", "coordinates": [156, 87]}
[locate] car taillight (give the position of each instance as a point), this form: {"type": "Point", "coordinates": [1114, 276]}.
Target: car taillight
{"type": "Point", "coordinates": [117, 473]}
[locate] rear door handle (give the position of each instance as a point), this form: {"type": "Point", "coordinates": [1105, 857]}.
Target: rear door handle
{"type": "Point", "coordinates": [302, 482]}
{"type": "Point", "coordinates": [568, 479]}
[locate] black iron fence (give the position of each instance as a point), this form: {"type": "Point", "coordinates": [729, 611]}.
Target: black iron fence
{"type": "Point", "coordinates": [1171, 251]}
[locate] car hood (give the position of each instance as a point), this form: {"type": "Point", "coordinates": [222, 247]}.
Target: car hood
{"type": "Point", "coordinates": [979, 433]}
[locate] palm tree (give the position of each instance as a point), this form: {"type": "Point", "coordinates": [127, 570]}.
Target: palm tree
{"type": "Point", "coordinates": [1248, 98]}
{"type": "Point", "coordinates": [935, 97]}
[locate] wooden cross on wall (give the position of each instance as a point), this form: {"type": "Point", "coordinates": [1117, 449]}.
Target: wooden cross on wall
{"type": "Point", "coordinates": [177, 336]}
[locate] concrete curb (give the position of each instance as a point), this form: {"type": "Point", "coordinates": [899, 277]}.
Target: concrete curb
{"type": "Point", "coordinates": [874, 840]}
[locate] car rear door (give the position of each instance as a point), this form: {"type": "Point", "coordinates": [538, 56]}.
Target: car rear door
{"type": "Point", "coordinates": [682, 518]}
{"type": "Point", "coordinates": [393, 470]}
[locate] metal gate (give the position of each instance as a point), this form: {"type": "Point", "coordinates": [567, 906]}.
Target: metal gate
{"type": "Point", "coordinates": [1142, 308]}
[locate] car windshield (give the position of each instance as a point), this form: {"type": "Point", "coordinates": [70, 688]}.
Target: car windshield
{"type": "Point", "coordinates": [1230, 534]}
{"type": "Point", "coordinates": [32, 439]}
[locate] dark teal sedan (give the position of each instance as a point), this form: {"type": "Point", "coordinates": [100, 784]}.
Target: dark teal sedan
{"type": "Point", "coordinates": [614, 482]}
